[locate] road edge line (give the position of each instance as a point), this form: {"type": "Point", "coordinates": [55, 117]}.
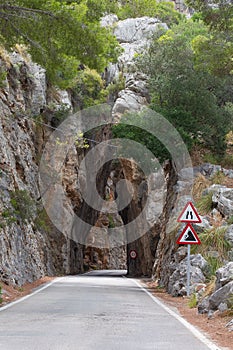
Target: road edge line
{"type": "Point", "coordinates": [185, 323]}
{"type": "Point", "coordinates": [38, 290]}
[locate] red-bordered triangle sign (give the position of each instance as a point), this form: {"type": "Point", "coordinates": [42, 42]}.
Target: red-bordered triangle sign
{"type": "Point", "coordinates": [189, 214]}
{"type": "Point", "coordinates": [188, 236]}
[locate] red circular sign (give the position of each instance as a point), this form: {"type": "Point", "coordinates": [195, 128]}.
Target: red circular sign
{"type": "Point", "coordinates": [133, 254]}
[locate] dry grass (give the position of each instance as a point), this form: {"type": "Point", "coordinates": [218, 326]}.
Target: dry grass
{"type": "Point", "coordinates": [200, 184]}
{"type": "Point", "coordinates": [5, 57]}
{"type": "Point", "coordinates": [22, 51]}
{"type": "Point", "coordinates": [210, 287]}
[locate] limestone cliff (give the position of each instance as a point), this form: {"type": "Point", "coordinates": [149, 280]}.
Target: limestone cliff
{"type": "Point", "coordinates": [30, 247]}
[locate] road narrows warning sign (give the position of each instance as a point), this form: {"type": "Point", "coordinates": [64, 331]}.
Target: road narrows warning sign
{"type": "Point", "coordinates": [189, 214]}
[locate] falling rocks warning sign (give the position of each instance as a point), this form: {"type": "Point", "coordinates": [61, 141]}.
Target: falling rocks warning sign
{"type": "Point", "coordinates": [188, 236]}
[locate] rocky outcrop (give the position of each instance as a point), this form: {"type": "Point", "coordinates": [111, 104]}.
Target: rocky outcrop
{"type": "Point", "coordinates": [223, 200]}
{"type": "Point", "coordinates": [30, 247]}
{"type": "Point", "coordinates": [221, 298]}
{"type": "Point", "coordinates": [177, 285]}
{"type": "Point", "coordinates": [134, 35]}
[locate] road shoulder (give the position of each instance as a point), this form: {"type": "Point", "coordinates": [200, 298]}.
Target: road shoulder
{"type": "Point", "coordinates": [213, 328]}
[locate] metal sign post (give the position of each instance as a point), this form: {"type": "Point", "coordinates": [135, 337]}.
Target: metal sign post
{"type": "Point", "coordinates": [188, 236]}
{"type": "Point", "coordinates": [188, 271]}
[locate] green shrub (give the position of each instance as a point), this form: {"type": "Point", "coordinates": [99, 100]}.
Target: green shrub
{"type": "Point", "coordinates": [211, 158]}
{"type": "Point", "coordinates": [42, 221]}
{"type": "Point", "coordinates": [230, 220]}
{"type": "Point", "coordinates": [22, 207]}
{"type": "Point", "coordinates": [204, 204]}
{"type": "Point", "coordinates": [227, 161]}
{"type": "Point", "coordinates": [218, 178]}
{"type": "Point", "coordinates": [111, 223]}
{"type": "Point", "coordinates": [115, 87]}
{"type": "Point", "coordinates": [164, 10]}
{"type": "Point", "coordinates": [213, 240]}
{"type": "Point", "coordinates": [192, 303]}
{"type": "Point", "coordinates": [88, 89]}
{"type": "Point", "coordinates": [214, 265]}
{"type": "Point", "coordinates": [23, 204]}
{"type": "Point", "coordinates": [3, 75]}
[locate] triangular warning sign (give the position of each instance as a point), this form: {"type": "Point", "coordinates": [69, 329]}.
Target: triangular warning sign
{"type": "Point", "coordinates": [189, 214]}
{"type": "Point", "coordinates": [188, 236]}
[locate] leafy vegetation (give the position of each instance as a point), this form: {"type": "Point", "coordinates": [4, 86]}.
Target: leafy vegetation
{"type": "Point", "coordinates": [192, 303]}
{"type": "Point", "coordinates": [88, 89]}
{"type": "Point", "coordinates": [22, 207]}
{"type": "Point", "coordinates": [230, 220]}
{"type": "Point", "coordinates": [214, 248]}
{"type": "Point", "coordinates": [140, 135]}
{"type": "Point", "coordinates": [59, 35]}
{"type": "Point", "coordinates": [218, 178]}
{"type": "Point", "coordinates": [42, 221]}
{"type": "Point", "coordinates": [204, 204]}
{"type": "Point", "coordinates": [191, 96]}
{"type": "Point", "coordinates": [163, 10]}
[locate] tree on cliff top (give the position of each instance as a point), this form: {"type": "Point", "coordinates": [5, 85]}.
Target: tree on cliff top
{"type": "Point", "coordinates": [59, 34]}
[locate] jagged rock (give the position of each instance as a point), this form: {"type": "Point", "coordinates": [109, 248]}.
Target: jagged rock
{"type": "Point", "coordinates": [224, 275]}
{"type": "Point", "coordinates": [178, 280]}
{"type": "Point", "coordinates": [27, 250]}
{"type": "Point", "coordinates": [128, 101]}
{"type": "Point", "coordinates": [223, 307]}
{"type": "Point", "coordinates": [229, 235]}
{"type": "Point", "coordinates": [137, 29]}
{"type": "Point", "coordinates": [230, 255]}
{"type": "Point", "coordinates": [109, 20]}
{"type": "Point", "coordinates": [199, 261]}
{"type": "Point", "coordinates": [203, 306]}
{"type": "Point", "coordinates": [134, 35]}
{"type": "Point", "coordinates": [222, 295]}
{"type": "Point", "coordinates": [181, 254]}
{"type": "Point", "coordinates": [204, 225]}
{"type": "Point", "coordinates": [228, 173]}
{"type": "Point", "coordinates": [213, 189]}
{"type": "Point", "coordinates": [223, 199]}
{"type": "Point", "coordinates": [29, 87]}
{"type": "Point", "coordinates": [229, 325]}
{"type": "Point", "coordinates": [208, 169]}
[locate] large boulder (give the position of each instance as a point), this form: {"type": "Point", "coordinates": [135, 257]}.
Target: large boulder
{"type": "Point", "coordinates": [221, 296]}
{"type": "Point", "coordinates": [229, 235]}
{"type": "Point", "coordinates": [224, 275]}
{"type": "Point", "coordinates": [178, 280]}
{"type": "Point", "coordinates": [223, 199]}
{"type": "Point", "coordinates": [137, 29]}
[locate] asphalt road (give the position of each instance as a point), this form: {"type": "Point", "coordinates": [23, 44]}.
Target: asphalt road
{"type": "Point", "coordinates": [97, 311]}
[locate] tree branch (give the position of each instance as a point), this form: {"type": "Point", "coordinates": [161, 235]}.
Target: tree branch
{"type": "Point", "coordinates": [32, 42]}
{"type": "Point", "coordinates": [7, 15]}
{"type": "Point", "coordinates": [26, 9]}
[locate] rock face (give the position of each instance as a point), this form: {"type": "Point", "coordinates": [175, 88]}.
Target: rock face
{"type": "Point", "coordinates": [134, 36]}
{"type": "Point", "coordinates": [30, 247]}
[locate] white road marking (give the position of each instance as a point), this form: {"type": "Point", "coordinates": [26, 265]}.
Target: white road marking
{"type": "Point", "coordinates": [190, 327]}
{"type": "Point", "coordinates": [2, 308]}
